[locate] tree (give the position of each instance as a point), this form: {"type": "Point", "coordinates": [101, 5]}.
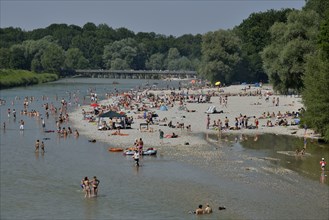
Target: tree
{"type": "Point", "coordinates": [17, 57]}
{"type": "Point", "coordinates": [316, 81]}
{"type": "Point", "coordinates": [184, 63]}
{"type": "Point", "coordinates": [125, 49]}
{"type": "Point", "coordinates": [119, 64]}
{"type": "Point", "coordinates": [4, 58]}
{"type": "Point", "coordinates": [74, 59]}
{"type": "Point", "coordinates": [323, 38]}
{"type": "Point", "coordinates": [254, 34]}
{"type": "Point", "coordinates": [155, 62]}
{"type": "Point", "coordinates": [172, 59]}
{"type": "Point", "coordinates": [284, 59]}
{"type": "Point", "coordinates": [34, 49]}
{"type": "Point", "coordinates": [315, 95]}
{"type": "Point", "coordinates": [53, 58]}
{"type": "Point", "coordinates": [319, 6]}
{"type": "Point", "coordinates": [221, 54]}
{"type": "Point", "coordinates": [11, 36]}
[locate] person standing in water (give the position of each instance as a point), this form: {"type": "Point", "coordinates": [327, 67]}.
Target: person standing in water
{"type": "Point", "coordinates": [94, 183]}
{"type": "Point", "coordinates": [42, 146]}
{"type": "Point", "coordinates": [43, 123]}
{"type": "Point", "coordinates": [37, 145]}
{"type": "Point", "coordinates": [136, 157]}
{"type": "Point", "coordinates": [323, 164]}
{"type": "Point", "coordinates": [86, 187]}
{"type": "Point", "coordinates": [21, 126]}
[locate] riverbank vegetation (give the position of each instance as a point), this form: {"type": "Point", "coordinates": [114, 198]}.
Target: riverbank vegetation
{"type": "Point", "coordinates": [285, 47]}
{"type": "Point", "coordinates": [14, 78]}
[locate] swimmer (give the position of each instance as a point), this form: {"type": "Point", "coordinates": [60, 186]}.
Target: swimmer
{"type": "Point", "coordinates": [208, 209]}
{"type": "Point", "coordinates": [199, 210]}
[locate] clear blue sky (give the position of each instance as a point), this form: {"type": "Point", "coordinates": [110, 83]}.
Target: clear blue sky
{"type": "Point", "coordinates": [169, 17]}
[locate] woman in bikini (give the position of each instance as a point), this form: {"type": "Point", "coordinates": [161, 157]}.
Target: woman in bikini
{"type": "Point", "coordinates": [86, 187]}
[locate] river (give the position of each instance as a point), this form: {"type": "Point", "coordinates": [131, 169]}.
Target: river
{"type": "Point", "coordinates": [252, 179]}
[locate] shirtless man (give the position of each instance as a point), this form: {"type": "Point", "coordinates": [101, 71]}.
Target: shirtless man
{"type": "Point", "coordinates": [199, 210]}
{"type": "Point", "coordinates": [95, 182]}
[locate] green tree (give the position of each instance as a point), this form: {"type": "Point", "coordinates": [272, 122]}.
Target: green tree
{"type": "Point", "coordinates": [125, 49]}
{"type": "Point", "coordinates": [323, 38]}
{"type": "Point", "coordinates": [34, 49]}
{"type": "Point", "coordinates": [184, 63]}
{"type": "Point", "coordinates": [155, 62]}
{"type": "Point", "coordinates": [315, 95]}
{"type": "Point", "coordinates": [119, 64]}
{"type": "Point", "coordinates": [74, 59]}
{"type": "Point", "coordinates": [17, 57]}
{"type": "Point", "coordinates": [221, 54]}
{"type": "Point", "coordinates": [189, 45]}
{"type": "Point", "coordinates": [171, 61]}
{"type": "Point", "coordinates": [4, 58]}
{"type": "Point", "coordinates": [52, 59]}
{"type": "Point", "coordinates": [319, 6]}
{"type": "Point", "coordinates": [11, 36]}
{"type": "Point", "coordinates": [284, 59]}
{"type": "Point", "coordinates": [254, 34]}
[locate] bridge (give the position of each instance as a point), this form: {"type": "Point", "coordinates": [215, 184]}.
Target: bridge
{"type": "Point", "coordinates": [135, 74]}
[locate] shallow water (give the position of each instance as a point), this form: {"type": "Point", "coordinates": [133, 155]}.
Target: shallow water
{"type": "Point", "coordinates": [280, 151]}
{"type": "Point", "coordinates": [234, 175]}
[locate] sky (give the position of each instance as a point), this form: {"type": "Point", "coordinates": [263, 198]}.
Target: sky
{"type": "Point", "coordinates": [168, 17]}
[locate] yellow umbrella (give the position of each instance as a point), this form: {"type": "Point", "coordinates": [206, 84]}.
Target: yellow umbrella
{"type": "Point", "coordinates": [217, 83]}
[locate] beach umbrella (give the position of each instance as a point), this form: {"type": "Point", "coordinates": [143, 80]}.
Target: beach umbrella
{"type": "Point", "coordinates": [217, 83]}
{"type": "Point", "coordinates": [94, 105]}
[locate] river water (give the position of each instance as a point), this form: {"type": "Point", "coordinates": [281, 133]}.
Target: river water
{"type": "Point", "coordinates": [252, 179]}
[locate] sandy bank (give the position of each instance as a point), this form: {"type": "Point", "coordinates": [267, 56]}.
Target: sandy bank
{"type": "Point", "coordinates": [237, 104]}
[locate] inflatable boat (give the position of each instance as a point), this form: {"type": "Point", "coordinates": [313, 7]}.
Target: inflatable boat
{"type": "Point", "coordinates": [149, 152]}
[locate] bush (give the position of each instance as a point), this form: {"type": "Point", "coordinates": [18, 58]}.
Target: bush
{"type": "Point", "coordinates": [13, 78]}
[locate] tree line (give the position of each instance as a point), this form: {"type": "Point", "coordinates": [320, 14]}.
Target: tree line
{"type": "Point", "coordinates": [287, 47]}
{"type": "Point", "coordinates": [230, 56]}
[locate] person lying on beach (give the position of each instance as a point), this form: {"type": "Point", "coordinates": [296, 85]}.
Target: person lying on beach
{"type": "Point", "coordinates": [117, 132]}
{"type": "Point", "coordinates": [173, 135]}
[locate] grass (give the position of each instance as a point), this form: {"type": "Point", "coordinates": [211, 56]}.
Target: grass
{"type": "Point", "coordinates": [13, 78]}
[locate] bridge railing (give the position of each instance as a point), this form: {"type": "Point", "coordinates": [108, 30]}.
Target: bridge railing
{"type": "Point", "coordinates": [161, 72]}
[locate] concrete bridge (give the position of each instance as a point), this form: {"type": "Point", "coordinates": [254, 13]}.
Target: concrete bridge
{"type": "Point", "coordinates": [135, 74]}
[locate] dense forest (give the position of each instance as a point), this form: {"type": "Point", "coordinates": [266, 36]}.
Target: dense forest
{"type": "Point", "coordinates": [289, 48]}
